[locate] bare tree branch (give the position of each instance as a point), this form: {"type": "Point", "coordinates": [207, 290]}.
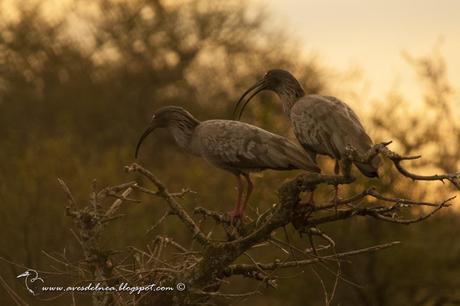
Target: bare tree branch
{"type": "Point", "coordinates": [176, 207]}
{"type": "Point", "coordinates": [246, 268]}
{"type": "Point", "coordinates": [203, 268]}
{"type": "Point", "coordinates": [397, 159]}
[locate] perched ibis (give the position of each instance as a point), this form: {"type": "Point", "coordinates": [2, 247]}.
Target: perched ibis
{"type": "Point", "coordinates": [234, 146]}
{"type": "Point", "coordinates": [322, 124]}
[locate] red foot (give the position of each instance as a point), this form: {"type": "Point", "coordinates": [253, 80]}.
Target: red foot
{"type": "Point", "coordinates": [235, 216]}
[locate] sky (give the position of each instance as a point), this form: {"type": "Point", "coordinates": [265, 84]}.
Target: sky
{"type": "Point", "coordinates": [368, 36]}
{"type": "Point", "coordinates": [371, 36]}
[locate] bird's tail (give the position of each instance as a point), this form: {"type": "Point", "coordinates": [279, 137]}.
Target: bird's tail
{"type": "Point", "coordinates": [370, 169]}
{"type": "Point", "coordinates": [302, 161]}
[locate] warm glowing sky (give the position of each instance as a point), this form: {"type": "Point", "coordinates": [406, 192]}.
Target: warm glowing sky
{"type": "Point", "coordinates": [369, 35]}
{"type": "Point", "coordinates": [372, 34]}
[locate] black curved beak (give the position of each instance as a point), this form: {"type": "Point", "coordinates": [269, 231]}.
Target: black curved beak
{"type": "Point", "coordinates": [144, 135]}
{"type": "Point", "coordinates": [253, 90]}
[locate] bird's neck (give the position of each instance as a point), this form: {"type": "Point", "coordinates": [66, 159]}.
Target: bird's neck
{"type": "Point", "coordinates": [182, 131]}
{"type": "Point", "coordinates": [288, 99]}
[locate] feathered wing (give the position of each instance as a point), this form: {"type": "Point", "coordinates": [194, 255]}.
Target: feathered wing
{"type": "Point", "coordinates": [326, 125]}
{"type": "Point", "coordinates": [231, 144]}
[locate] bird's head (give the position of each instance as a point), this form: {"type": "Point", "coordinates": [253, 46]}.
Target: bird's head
{"type": "Point", "coordinates": [26, 274]}
{"type": "Point", "coordinates": [279, 81]}
{"type": "Point", "coordinates": [166, 117]}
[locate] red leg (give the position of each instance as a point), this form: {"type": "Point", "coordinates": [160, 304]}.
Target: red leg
{"type": "Point", "coordinates": [336, 187]}
{"type": "Point", "coordinates": [235, 213]}
{"type": "Point", "coordinates": [311, 199]}
{"type": "Point", "coordinates": [248, 193]}
{"type": "Point", "coordinates": [336, 197]}
{"type": "Point", "coordinates": [337, 167]}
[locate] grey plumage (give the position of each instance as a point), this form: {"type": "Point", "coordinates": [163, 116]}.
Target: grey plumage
{"type": "Point", "coordinates": [237, 147]}
{"type": "Point", "coordinates": [322, 124]}
{"type": "Point", "coordinates": [240, 147]}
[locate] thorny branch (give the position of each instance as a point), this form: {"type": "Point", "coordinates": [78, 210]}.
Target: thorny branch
{"type": "Point", "coordinates": [205, 266]}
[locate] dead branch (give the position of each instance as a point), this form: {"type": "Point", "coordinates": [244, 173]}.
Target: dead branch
{"type": "Point", "coordinates": [247, 268]}
{"type": "Point", "coordinates": [382, 148]}
{"type": "Point", "coordinates": [203, 268]}
{"type": "Point", "coordinates": [217, 257]}
{"type": "Point", "coordinates": [176, 207]}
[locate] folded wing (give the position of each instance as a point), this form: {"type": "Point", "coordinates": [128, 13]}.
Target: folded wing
{"type": "Point", "coordinates": [326, 125]}
{"type": "Point", "coordinates": [233, 144]}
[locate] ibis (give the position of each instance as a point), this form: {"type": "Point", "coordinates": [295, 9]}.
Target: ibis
{"type": "Point", "coordinates": [322, 124]}
{"type": "Point", "coordinates": [234, 146]}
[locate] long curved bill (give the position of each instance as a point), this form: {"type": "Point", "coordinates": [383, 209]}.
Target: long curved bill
{"type": "Point", "coordinates": [144, 135]}
{"type": "Point", "coordinates": [255, 89]}
{"type": "Point", "coordinates": [23, 274]}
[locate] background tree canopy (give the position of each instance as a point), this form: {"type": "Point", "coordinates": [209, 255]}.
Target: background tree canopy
{"type": "Point", "coordinates": [78, 88]}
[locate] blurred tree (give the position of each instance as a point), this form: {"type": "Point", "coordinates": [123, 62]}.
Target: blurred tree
{"type": "Point", "coordinates": [433, 126]}
{"type": "Point", "coordinates": [424, 272]}
{"type": "Point", "coordinates": [77, 86]}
